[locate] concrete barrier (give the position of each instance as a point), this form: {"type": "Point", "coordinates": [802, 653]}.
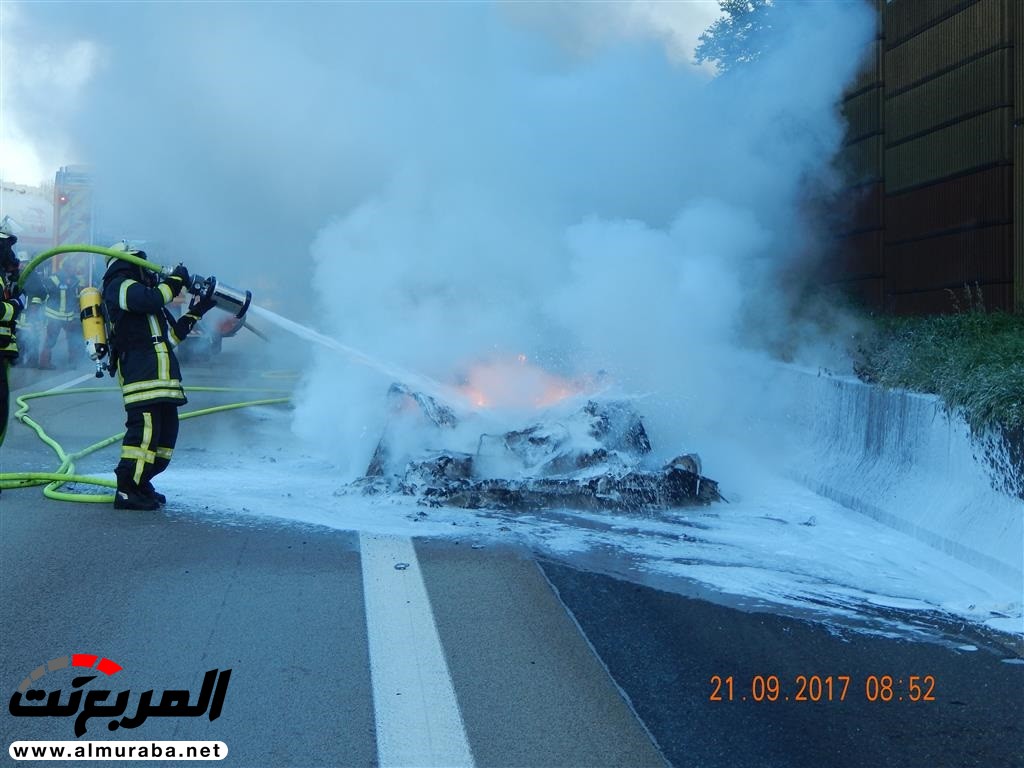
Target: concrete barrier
{"type": "Point", "coordinates": [901, 459]}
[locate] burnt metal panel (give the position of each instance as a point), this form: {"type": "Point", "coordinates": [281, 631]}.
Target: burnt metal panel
{"type": "Point", "coordinates": [970, 89]}
{"type": "Point", "coordinates": [982, 255]}
{"type": "Point", "coordinates": [905, 18]}
{"type": "Point", "coordinates": [965, 202]}
{"type": "Point", "coordinates": [972, 144]}
{"type": "Point", "coordinates": [974, 31]}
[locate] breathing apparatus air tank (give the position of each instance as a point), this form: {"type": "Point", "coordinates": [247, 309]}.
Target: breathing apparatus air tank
{"type": "Point", "coordinates": [224, 297]}
{"type": "Point", "coordinates": [93, 327]}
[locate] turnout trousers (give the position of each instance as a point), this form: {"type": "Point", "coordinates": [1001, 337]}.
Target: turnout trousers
{"type": "Point", "coordinates": [151, 432]}
{"type": "Point", "coordinates": [72, 336]}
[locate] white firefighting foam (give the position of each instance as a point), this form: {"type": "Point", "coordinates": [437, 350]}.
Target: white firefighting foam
{"type": "Point", "coordinates": [774, 543]}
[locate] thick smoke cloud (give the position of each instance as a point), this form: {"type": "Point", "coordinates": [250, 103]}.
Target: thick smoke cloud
{"type": "Point", "coordinates": [440, 184]}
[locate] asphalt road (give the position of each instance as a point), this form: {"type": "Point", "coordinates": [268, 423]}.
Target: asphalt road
{"type": "Point", "coordinates": [347, 649]}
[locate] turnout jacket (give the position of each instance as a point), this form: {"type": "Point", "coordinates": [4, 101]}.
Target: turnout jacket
{"type": "Point", "coordinates": [8, 315]}
{"type": "Point", "coordinates": [62, 298]}
{"type": "Point", "coordinates": [143, 335]}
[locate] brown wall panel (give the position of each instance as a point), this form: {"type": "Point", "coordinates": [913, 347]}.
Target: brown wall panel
{"type": "Point", "coordinates": [1017, 75]}
{"type": "Point", "coordinates": [950, 261]}
{"type": "Point", "coordinates": [1018, 218]}
{"type": "Point", "coordinates": [971, 32]}
{"type": "Point", "coordinates": [951, 209]}
{"type": "Point", "coordinates": [861, 161]}
{"type": "Point", "coordinates": [868, 293]}
{"type": "Point", "coordinates": [870, 73]}
{"type": "Point", "coordinates": [971, 88]}
{"type": "Point", "coordinates": [964, 146]}
{"type": "Point", "coordinates": [903, 18]}
{"type": "Point", "coordinates": [863, 114]}
{"type": "Point", "coordinates": [976, 200]}
{"type": "Point", "coordinates": [858, 209]}
{"type": "Point", "coordinates": [1018, 154]}
{"type": "Point", "coordinates": [858, 256]}
{"type": "Point", "coordinates": [939, 302]}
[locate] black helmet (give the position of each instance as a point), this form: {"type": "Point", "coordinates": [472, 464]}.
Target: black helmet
{"type": "Point", "coordinates": [8, 261]}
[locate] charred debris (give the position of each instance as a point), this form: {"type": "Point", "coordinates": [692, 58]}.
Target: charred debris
{"type": "Point", "coordinates": [592, 458]}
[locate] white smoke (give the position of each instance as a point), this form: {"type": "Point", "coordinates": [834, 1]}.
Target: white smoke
{"type": "Point", "coordinates": [41, 86]}
{"type": "Point", "coordinates": [446, 183]}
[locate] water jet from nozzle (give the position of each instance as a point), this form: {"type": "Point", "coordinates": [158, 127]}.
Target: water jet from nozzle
{"type": "Point", "coordinates": [225, 297]}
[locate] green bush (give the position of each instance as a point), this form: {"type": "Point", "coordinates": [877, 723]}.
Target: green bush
{"type": "Point", "coordinates": [973, 360]}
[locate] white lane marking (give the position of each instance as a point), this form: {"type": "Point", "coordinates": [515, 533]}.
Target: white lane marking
{"type": "Point", "coordinates": [414, 704]}
{"type": "Point", "coordinates": [73, 382]}
{"type": "Point", "coordinates": [34, 386]}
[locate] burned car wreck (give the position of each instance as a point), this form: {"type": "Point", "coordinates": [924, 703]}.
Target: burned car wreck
{"type": "Point", "coordinates": [593, 456]}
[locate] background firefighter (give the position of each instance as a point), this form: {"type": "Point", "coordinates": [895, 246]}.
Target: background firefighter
{"type": "Point", "coordinates": [60, 309]}
{"type": "Point", "coordinates": [142, 339]}
{"type": "Point", "coordinates": [11, 304]}
{"type": "Point", "coordinates": [32, 321]}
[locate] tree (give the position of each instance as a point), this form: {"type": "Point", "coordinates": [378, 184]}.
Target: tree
{"type": "Point", "coordinates": [739, 36]}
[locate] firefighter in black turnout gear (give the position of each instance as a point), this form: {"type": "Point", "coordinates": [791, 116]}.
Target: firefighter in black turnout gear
{"type": "Point", "coordinates": [141, 341]}
{"type": "Point", "coordinates": [61, 312]}
{"type": "Point", "coordinates": [12, 302]}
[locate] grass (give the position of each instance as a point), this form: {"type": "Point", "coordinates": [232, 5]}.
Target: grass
{"type": "Point", "coordinates": [973, 360]}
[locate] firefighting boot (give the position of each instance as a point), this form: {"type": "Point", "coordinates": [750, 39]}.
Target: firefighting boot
{"type": "Point", "coordinates": [129, 496]}
{"type": "Point", "coordinates": [146, 489]}
{"type": "Point", "coordinates": [44, 360]}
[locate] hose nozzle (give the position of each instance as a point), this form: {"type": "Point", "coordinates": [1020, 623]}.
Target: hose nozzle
{"type": "Point", "coordinates": [224, 297]}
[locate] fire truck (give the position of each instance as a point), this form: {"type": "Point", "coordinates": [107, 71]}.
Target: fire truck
{"type": "Point", "coordinates": [72, 206]}
{"type": "Point", "coordinates": [74, 216]}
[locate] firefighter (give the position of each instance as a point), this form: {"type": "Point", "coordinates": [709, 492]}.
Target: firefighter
{"type": "Point", "coordinates": [11, 303]}
{"type": "Point", "coordinates": [31, 322]}
{"type": "Point", "coordinates": [61, 314]}
{"type": "Point", "coordinates": [141, 341]}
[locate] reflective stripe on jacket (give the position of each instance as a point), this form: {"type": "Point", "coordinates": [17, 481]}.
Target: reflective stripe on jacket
{"type": "Point", "coordinates": [144, 333]}
{"type": "Point", "coordinates": [8, 335]}
{"type": "Point", "coordinates": [61, 299]}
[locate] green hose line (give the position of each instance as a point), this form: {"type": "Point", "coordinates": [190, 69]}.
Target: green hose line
{"type": "Point", "coordinates": [81, 248]}
{"type": "Point", "coordinates": [65, 473]}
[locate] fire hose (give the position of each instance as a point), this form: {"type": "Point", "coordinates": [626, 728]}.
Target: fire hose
{"type": "Point", "coordinates": [225, 297]}
{"type": "Point", "coordinates": [94, 330]}
{"type": "Point", "coordinates": [65, 473]}
{"type": "Point", "coordinates": [235, 301]}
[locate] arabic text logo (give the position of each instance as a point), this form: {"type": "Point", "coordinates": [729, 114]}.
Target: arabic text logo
{"type": "Point", "coordinates": [28, 700]}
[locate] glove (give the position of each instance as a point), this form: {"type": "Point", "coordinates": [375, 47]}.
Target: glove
{"type": "Point", "coordinates": [178, 279]}
{"type": "Point", "coordinates": [201, 304]}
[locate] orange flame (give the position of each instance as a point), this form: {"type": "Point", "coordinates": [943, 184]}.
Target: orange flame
{"type": "Point", "coordinates": [515, 384]}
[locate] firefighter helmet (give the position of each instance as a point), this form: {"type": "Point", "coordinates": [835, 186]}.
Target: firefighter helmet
{"type": "Point", "coordinates": [123, 247]}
